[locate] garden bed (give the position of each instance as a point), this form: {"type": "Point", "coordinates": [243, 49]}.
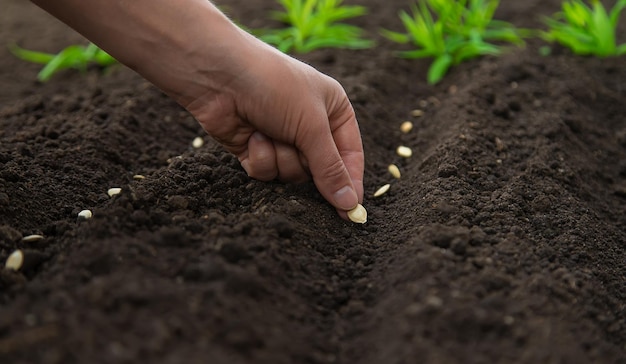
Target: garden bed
{"type": "Point", "coordinates": [503, 242]}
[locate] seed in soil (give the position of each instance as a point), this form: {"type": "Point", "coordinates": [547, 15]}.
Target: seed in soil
{"type": "Point", "coordinates": [358, 214]}
{"type": "Point", "coordinates": [32, 238]}
{"type": "Point", "coordinates": [85, 214]}
{"type": "Point", "coordinates": [394, 170]}
{"type": "Point", "coordinates": [406, 127]}
{"type": "Point", "coordinates": [198, 142]}
{"type": "Point", "coordinates": [381, 191]}
{"type": "Point", "coordinates": [15, 260]}
{"type": "Point", "coordinates": [114, 191]}
{"type": "Point", "coordinates": [403, 151]}
{"type": "Point", "coordinates": [417, 113]}
{"type": "Point", "coordinates": [139, 177]}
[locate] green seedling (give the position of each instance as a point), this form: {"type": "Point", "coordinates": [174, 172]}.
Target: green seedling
{"type": "Point", "coordinates": [314, 24]}
{"type": "Point", "coordinates": [74, 56]}
{"type": "Point", "coordinates": [451, 32]}
{"type": "Point", "coordinates": [586, 30]}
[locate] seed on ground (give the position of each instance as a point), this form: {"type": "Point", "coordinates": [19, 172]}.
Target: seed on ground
{"type": "Point", "coordinates": [358, 214]}
{"type": "Point", "coordinates": [139, 177]}
{"type": "Point", "coordinates": [403, 151]}
{"type": "Point", "coordinates": [406, 127]}
{"type": "Point", "coordinates": [197, 142]}
{"type": "Point", "coordinates": [394, 170]}
{"type": "Point", "coordinates": [15, 260]}
{"type": "Point", "coordinates": [417, 113]}
{"type": "Point", "coordinates": [32, 238]}
{"type": "Point", "coordinates": [381, 191]}
{"type": "Point", "coordinates": [85, 214]}
{"type": "Point", "coordinates": [114, 191]}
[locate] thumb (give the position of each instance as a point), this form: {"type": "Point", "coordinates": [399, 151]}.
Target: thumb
{"type": "Point", "coordinates": [329, 172]}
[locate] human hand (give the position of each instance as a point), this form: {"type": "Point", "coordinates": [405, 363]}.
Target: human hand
{"type": "Point", "coordinates": [280, 117]}
{"type": "Point", "coordinates": [283, 119]}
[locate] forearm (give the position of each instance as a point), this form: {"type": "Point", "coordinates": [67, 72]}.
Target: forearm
{"type": "Point", "coordinates": [182, 46]}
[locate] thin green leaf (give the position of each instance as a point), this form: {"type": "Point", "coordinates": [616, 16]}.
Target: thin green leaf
{"type": "Point", "coordinates": [439, 68]}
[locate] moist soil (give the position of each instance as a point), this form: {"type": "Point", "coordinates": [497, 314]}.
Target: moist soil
{"type": "Point", "coordinates": [503, 241]}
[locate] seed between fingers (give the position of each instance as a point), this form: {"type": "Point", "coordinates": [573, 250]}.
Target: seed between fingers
{"type": "Point", "coordinates": [358, 214]}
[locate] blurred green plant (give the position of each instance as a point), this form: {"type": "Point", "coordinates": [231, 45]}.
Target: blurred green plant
{"type": "Point", "coordinates": [315, 24]}
{"type": "Point", "coordinates": [586, 30]}
{"type": "Point", "coordinates": [74, 56]}
{"type": "Point", "coordinates": [451, 32]}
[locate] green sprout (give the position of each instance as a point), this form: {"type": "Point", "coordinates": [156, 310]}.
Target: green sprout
{"type": "Point", "coordinates": [74, 56]}
{"type": "Point", "coordinates": [586, 30]}
{"type": "Point", "coordinates": [451, 32]}
{"type": "Point", "coordinates": [314, 24]}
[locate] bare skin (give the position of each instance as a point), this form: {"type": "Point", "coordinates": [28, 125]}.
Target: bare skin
{"type": "Point", "coordinates": [281, 118]}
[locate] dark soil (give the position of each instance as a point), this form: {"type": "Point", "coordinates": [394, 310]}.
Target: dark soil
{"type": "Point", "coordinates": [503, 242]}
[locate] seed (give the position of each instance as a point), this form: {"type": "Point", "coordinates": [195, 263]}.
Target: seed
{"type": "Point", "coordinates": [406, 127]}
{"type": "Point", "coordinates": [114, 191]}
{"type": "Point", "coordinates": [197, 142]}
{"type": "Point", "coordinates": [15, 260]}
{"type": "Point", "coordinates": [31, 238]}
{"type": "Point", "coordinates": [381, 191]}
{"type": "Point", "coordinates": [138, 177]}
{"type": "Point", "coordinates": [85, 214]}
{"type": "Point", "coordinates": [394, 170]}
{"type": "Point", "coordinates": [403, 151]}
{"type": "Point", "coordinates": [417, 113]}
{"type": "Point", "coordinates": [358, 214]}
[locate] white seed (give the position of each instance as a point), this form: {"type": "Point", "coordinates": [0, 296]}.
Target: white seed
{"type": "Point", "coordinates": [417, 113]}
{"type": "Point", "coordinates": [138, 177]}
{"type": "Point", "coordinates": [358, 214]}
{"type": "Point", "coordinates": [394, 170]}
{"type": "Point", "coordinates": [403, 151]}
{"type": "Point", "coordinates": [85, 214]}
{"type": "Point", "coordinates": [406, 127]}
{"type": "Point", "coordinates": [32, 238]}
{"type": "Point", "coordinates": [114, 191]}
{"type": "Point", "coordinates": [15, 260]}
{"type": "Point", "coordinates": [197, 142]}
{"type": "Point", "coordinates": [381, 191]}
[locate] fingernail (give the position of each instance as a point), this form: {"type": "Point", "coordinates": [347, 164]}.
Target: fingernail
{"type": "Point", "coordinates": [346, 198]}
{"type": "Point", "coordinates": [259, 136]}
